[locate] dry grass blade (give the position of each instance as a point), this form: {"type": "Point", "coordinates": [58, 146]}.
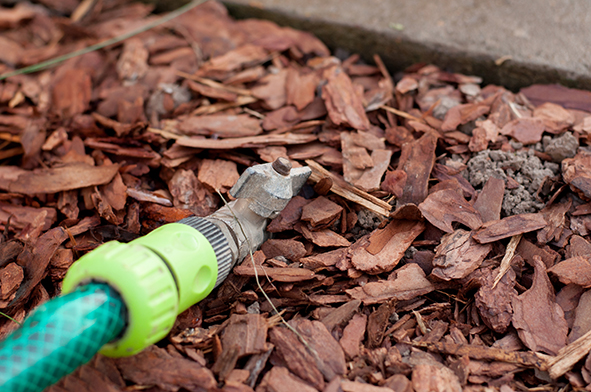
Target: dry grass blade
{"type": "Point", "coordinates": [10, 318]}
{"type": "Point", "coordinates": [55, 61]}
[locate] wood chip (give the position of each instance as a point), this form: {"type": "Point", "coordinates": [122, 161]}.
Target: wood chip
{"type": "Point", "coordinates": [394, 182]}
{"type": "Point", "coordinates": [426, 377]}
{"type": "Point", "coordinates": [525, 130]}
{"type": "Point", "coordinates": [568, 299]}
{"type": "Point", "coordinates": [538, 319]}
{"type": "Point", "coordinates": [250, 330]}
{"type": "Point", "coordinates": [296, 356]}
{"type": "Point", "coordinates": [212, 92]}
{"type": "Point", "coordinates": [325, 259]}
{"type": "Point", "coordinates": [377, 323]}
{"type": "Point", "coordinates": [494, 302]}
{"type": "Point", "coordinates": [577, 173]}
{"type": "Point", "coordinates": [276, 274]}
{"type": "Point", "coordinates": [156, 367]}
{"type": "Point", "coordinates": [233, 60]}
{"type": "Point", "coordinates": [271, 90]}
{"type": "Point", "coordinates": [64, 178]}
{"type": "Point", "coordinates": [359, 167]}
{"type": "Point", "coordinates": [487, 353]}
{"type": "Point", "coordinates": [409, 283]}
{"type": "Point", "coordinates": [402, 233]}
{"type": "Point", "coordinates": [188, 193]}
{"type": "Point", "coordinates": [555, 117]}
{"type": "Point", "coordinates": [321, 211]}
{"type": "Point", "coordinates": [289, 216]}
{"type": "Point", "coordinates": [280, 379]}
{"type": "Point", "coordinates": [490, 200]}
{"type": "Point", "coordinates": [356, 386]}
{"type": "Point", "coordinates": [527, 250]}
{"type": "Point", "coordinates": [35, 260]}
{"type": "Point", "coordinates": [71, 92]}
{"type": "Point", "coordinates": [462, 114]}
{"type": "Point", "coordinates": [443, 207]}
{"type": "Point", "coordinates": [328, 354]}
{"type": "Point", "coordinates": [20, 216]}
{"type": "Point", "coordinates": [353, 335]}
{"type": "Point", "coordinates": [458, 255]}
{"type": "Point", "coordinates": [417, 160]}
{"type": "Point", "coordinates": [509, 227]}
{"type": "Point", "coordinates": [11, 277]}
{"type": "Point", "coordinates": [370, 179]}
{"type": "Point", "coordinates": [575, 270]}
{"type": "Point", "coordinates": [289, 248]}
{"type": "Point", "coordinates": [578, 246]}
{"type": "Point", "coordinates": [11, 17]}
{"type": "Point", "coordinates": [115, 192]}
{"type": "Point", "coordinates": [245, 142]}
{"type": "Point", "coordinates": [582, 321]}
{"type": "Point", "coordinates": [340, 315]}
{"type": "Point", "coordinates": [342, 100]}
{"type": "Point", "coordinates": [569, 98]}
{"type": "Point", "coordinates": [569, 355]}
{"type": "Point", "coordinates": [301, 87]}
{"type": "Point", "coordinates": [323, 238]}
{"type": "Point", "coordinates": [221, 125]}
{"type": "Point", "coordinates": [218, 175]}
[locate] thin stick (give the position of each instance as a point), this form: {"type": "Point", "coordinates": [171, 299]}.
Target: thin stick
{"type": "Point", "coordinates": [220, 106]}
{"type": "Point", "coordinates": [52, 62]}
{"type": "Point", "coordinates": [521, 358]}
{"type": "Point", "coordinates": [214, 84]}
{"type": "Point", "coordinates": [569, 355]}
{"type": "Point", "coordinates": [348, 191]}
{"type": "Point", "coordinates": [401, 113]}
{"type": "Point", "coordinates": [164, 133]}
{"type": "Point", "coordinates": [506, 262]}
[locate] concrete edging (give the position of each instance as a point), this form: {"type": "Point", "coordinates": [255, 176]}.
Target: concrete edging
{"type": "Point", "coordinates": [399, 51]}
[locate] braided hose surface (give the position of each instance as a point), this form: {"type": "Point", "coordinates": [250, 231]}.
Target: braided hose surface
{"type": "Point", "coordinates": [59, 336]}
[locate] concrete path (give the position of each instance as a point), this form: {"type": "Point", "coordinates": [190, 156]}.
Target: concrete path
{"type": "Point", "coordinates": [542, 41]}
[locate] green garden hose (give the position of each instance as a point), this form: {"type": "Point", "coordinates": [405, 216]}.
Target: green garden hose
{"type": "Point", "coordinates": [121, 298]}
{"type": "Point", "coordinates": [59, 336]}
{"type": "Point", "coordinates": [145, 284]}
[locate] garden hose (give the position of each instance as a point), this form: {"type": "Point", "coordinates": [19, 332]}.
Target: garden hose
{"type": "Point", "coordinates": [122, 297]}
{"type": "Point", "coordinates": [59, 336]}
{"type": "Point", "coordinates": [119, 299]}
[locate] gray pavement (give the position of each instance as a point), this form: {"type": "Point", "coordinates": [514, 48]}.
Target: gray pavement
{"type": "Point", "coordinates": [543, 41]}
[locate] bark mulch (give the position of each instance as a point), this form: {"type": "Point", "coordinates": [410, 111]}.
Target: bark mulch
{"type": "Point", "coordinates": [441, 244]}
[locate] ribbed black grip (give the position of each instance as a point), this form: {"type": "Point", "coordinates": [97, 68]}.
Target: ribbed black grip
{"type": "Point", "coordinates": [218, 241]}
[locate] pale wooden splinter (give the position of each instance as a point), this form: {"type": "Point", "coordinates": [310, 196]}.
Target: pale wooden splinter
{"type": "Point", "coordinates": [347, 191]}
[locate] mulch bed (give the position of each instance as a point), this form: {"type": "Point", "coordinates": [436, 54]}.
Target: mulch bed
{"type": "Point", "coordinates": [441, 244]}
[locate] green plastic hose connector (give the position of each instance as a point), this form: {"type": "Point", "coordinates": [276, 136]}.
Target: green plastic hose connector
{"type": "Point", "coordinates": [59, 336]}
{"type": "Point", "coordinates": [118, 299]}
{"type": "Point", "coordinates": [158, 276]}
